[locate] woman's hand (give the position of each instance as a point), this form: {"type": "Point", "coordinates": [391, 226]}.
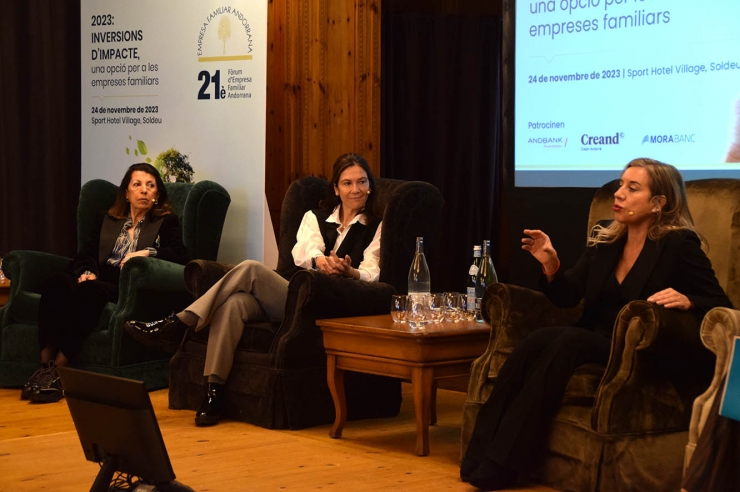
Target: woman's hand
{"type": "Point", "coordinates": [334, 265]}
{"type": "Point", "coordinates": [539, 245]}
{"type": "Point", "coordinates": [329, 265]}
{"type": "Point", "coordinates": [143, 252]}
{"type": "Point", "coordinates": [87, 276]}
{"type": "Point", "coordinates": [346, 264]}
{"type": "Point", "coordinates": [671, 299]}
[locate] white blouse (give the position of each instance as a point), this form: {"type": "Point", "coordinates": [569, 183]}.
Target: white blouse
{"type": "Point", "coordinates": [310, 244]}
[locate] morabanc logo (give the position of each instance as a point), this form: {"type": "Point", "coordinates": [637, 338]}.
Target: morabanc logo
{"type": "Point", "coordinates": [670, 139]}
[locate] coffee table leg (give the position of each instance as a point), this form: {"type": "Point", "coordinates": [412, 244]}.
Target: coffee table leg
{"type": "Point", "coordinates": [433, 419]}
{"type": "Point", "coordinates": [422, 379]}
{"type": "Point", "coordinates": [335, 380]}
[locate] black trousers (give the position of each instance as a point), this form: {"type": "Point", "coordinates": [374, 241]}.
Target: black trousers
{"type": "Point", "coordinates": [69, 311]}
{"type": "Point", "coordinates": [513, 423]}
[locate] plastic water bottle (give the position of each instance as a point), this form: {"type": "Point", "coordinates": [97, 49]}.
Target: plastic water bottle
{"type": "Point", "coordinates": [419, 271]}
{"type": "Point", "coordinates": [472, 279]}
{"type": "Point", "coordinates": [486, 277]}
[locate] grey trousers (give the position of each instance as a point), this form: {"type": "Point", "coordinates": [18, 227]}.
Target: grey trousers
{"type": "Point", "coordinates": [248, 292]}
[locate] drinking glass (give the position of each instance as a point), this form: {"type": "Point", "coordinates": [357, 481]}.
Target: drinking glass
{"type": "Point", "coordinates": [453, 302]}
{"type": "Point", "coordinates": [2, 275]}
{"type": "Point", "coordinates": [399, 305]}
{"type": "Point", "coordinates": [464, 313]}
{"type": "Point", "coordinates": [416, 312]}
{"type": "Point", "coordinates": [435, 306]}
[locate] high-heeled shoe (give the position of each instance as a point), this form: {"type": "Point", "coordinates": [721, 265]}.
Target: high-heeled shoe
{"type": "Point", "coordinates": [164, 333]}
{"type": "Point", "coordinates": [209, 412]}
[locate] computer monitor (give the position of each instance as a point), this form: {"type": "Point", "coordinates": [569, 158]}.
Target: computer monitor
{"type": "Point", "coordinates": [117, 427]}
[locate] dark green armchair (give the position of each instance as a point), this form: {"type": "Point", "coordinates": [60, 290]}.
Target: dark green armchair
{"type": "Point", "coordinates": [149, 288]}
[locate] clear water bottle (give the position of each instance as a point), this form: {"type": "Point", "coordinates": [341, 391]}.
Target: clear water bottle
{"type": "Point", "coordinates": [472, 279]}
{"type": "Point", "coordinates": [486, 276]}
{"type": "Point", "coordinates": [419, 271]}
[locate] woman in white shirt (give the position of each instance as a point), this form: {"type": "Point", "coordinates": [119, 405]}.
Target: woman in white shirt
{"type": "Point", "coordinates": [340, 238]}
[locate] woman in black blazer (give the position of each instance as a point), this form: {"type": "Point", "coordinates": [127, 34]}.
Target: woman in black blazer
{"type": "Point", "coordinates": [140, 223]}
{"type": "Point", "coordinates": [650, 252]}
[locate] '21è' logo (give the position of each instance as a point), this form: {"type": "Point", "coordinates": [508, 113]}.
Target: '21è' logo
{"type": "Point", "coordinates": [207, 78]}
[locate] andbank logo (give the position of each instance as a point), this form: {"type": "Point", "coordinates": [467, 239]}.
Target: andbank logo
{"type": "Point", "coordinates": [670, 139]}
{"type": "Point", "coordinates": [548, 142]}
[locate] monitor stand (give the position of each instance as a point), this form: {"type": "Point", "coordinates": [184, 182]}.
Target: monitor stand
{"type": "Point", "coordinates": [102, 482]}
{"type": "Point", "coordinates": [105, 475]}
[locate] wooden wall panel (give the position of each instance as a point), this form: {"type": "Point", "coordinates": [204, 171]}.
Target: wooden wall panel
{"type": "Point", "coordinates": [323, 89]}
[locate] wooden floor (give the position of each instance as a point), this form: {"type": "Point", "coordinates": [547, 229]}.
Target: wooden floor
{"type": "Point", "coordinates": [39, 450]}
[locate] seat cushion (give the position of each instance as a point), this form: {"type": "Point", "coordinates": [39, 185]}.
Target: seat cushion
{"type": "Point", "coordinates": [583, 385]}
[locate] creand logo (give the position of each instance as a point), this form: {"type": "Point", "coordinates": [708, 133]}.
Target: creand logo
{"type": "Point", "coordinates": [669, 139]}
{"type": "Point", "coordinates": [591, 140]}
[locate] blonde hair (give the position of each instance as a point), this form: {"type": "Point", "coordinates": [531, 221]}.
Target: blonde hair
{"type": "Point", "coordinates": [665, 181]}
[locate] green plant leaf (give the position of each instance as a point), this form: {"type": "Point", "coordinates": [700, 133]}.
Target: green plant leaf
{"type": "Point", "coordinates": [136, 152]}
{"type": "Point", "coordinates": [142, 147]}
{"type": "Point", "coordinates": [149, 160]}
{"type": "Point", "coordinates": [128, 152]}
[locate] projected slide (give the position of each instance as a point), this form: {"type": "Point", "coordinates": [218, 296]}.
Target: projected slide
{"type": "Point", "coordinates": [600, 82]}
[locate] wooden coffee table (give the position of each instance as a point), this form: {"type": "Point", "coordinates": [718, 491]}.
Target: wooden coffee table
{"type": "Point", "coordinates": [377, 345]}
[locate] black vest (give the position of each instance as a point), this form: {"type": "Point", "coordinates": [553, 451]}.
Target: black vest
{"type": "Point", "coordinates": [357, 240]}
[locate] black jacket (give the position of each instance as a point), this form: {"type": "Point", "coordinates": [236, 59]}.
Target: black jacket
{"type": "Point", "coordinates": [162, 233]}
{"type": "Point", "coordinates": [674, 261]}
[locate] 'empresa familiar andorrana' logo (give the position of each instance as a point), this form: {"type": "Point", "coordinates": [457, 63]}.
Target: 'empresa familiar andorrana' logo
{"type": "Point", "coordinates": [225, 36]}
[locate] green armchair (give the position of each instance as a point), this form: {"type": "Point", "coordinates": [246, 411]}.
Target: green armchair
{"type": "Point", "coordinates": [623, 428]}
{"type": "Point", "coordinates": [149, 288]}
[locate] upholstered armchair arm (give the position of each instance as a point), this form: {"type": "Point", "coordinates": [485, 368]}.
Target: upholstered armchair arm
{"type": "Point", "coordinates": [313, 295]}
{"type": "Point", "coordinates": [200, 275]}
{"type": "Point", "coordinates": [513, 312]}
{"type": "Point", "coordinates": [718, 331]}
{"type": "Point", "coordinates": [151, 274]}
{"type": "Point", "coordinates": [656, 364]}
{"type": "Point", "coordinates": [28, 269]}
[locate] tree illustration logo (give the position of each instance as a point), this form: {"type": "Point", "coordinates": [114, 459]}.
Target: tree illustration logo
{"type": "Point", "coordinates": [224, 30]}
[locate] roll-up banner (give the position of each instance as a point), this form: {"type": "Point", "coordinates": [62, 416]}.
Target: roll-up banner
{"type": "Point", "coordinates": [181, 85]}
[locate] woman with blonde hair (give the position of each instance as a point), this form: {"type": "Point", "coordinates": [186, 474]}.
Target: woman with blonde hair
{"type": "Point", "coordinates": [649, 252]}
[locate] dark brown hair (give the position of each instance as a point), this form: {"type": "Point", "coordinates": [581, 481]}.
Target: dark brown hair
{"type": "Point", "coordinates": [343, 162]}
{"type": "Point", "coordinates": [120, 208]}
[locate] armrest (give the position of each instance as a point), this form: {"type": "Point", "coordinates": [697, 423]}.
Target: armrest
{"type": "Point", "coordinates": [718, 331]}
{"type": "Point", "coordinates": [152, 274]}
{"type": "Point", "coordinates": [513, 312]}
{"type": "Point", "coordinates": [657, 364]}
{"type": "Point", "coordinates": [313, 295]}
{"type": "Point", "coordinates": [200, 275]}
{"type": "Point", "coordinates": [28, 269]}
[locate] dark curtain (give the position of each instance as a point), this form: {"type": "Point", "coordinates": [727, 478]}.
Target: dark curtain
{"type": "Point", "coordinates": [39, 125]}
{"type": "Point", "coordinates": [440, 123]}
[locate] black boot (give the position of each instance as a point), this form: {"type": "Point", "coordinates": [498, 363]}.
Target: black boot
{"type": "Point", "coordinates": [209, 412]}
{"type": "Point", "coordinates": [165, 333]}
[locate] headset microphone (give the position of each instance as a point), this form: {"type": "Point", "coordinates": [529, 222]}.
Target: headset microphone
{"type": "Point", "coordinates": [630, 213]}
